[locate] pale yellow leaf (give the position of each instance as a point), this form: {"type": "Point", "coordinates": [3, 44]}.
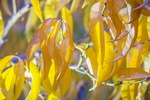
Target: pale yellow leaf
{"type": "Point", "coordinates": [52, 97]}
{"type": "Point", "coordinates": [8, 77]}
{"type": "Point", "coordinates": [67, 17]}
{"type": "Point", "coordinates": [52, 73]}
{"type": "Point", "coordinates": [36, 6]}
{"type": "Point", "coordinates": [36, 82]}
{"type": "Point", "coordinates": [5, 62]}
{"type": "Point", "coordinates": [2, 95]}
{"type": "Point", "coordinates": [129, 92]}
{"type": "Point", "coordinates": [91, 61]}
{"type": "Point", "coordinates": [19, 72]}
{"type": "Point", "coordinates": [50, 8]}
{"type": "Point", "coordinates": [1, 25]}
{"type": "Point", "coordinates": [142, 30]}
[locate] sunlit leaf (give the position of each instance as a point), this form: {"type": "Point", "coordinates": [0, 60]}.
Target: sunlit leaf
{"type": "Point", "coordinates": [65, 82]}
{"type": "Point", "coordinates": [52, 74]}
{"type": "Point", "coordinates": [67, 17]}
{"type": "Point", "coordinates": [5, 62]}
{"type": "Point", "coordinates": [66, 50]}
{"type": "Point", "coordinates": [46, 61]}
{"type": "Point", "coordinates": [8, 76]}
{"type": "Point", "coordinates": [132, 74]}
{"type": "Point", "coordinates": [51, 8]}
{"type": "Point", "coordinates": [97, 36]}
{"type": "Point", "coordinates": [142, 30]}
{"type": "Point", "coordinates": [131, 38]}
{"type": "Point", "coordinates": [91, 61]}
{"type": "Point", "coordinates": [36, 6]}
{"type": "Point", "coordinates": [129, 92]}
{"type": "Point", "coordinates": [103, 48]}
{"type": "Point", "coordinates": [1, 25]}
{"type": "Point", "coordinates": [52, 97]}
{"type": "Point", "coordinates": [2, 95]}
{"type": "Point", "coordinates": [47, 85]}
{"type": "Point", "coordinates": [134, 60]}
{"type": "Point", "coordinates": [19, 72]}
{"type": "Point", "coordinates": [36, 82]}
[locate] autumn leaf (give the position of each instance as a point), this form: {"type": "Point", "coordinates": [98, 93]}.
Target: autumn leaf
{"type": "Point", "coordinates": [91, 61]}
{"type": "Point", "coordinates": [114, 6]}
{"type": "Point", "coordinates": [132, 74]}
{"type": "Point", "coordinates": [103, 48]}
{"type": "Point", "coordinates": [36, 6]}
{"type": "Point", "coordinates": [1, 25]}
{"type": "Point", "coordinates": [67, 17]}
{"type": "Point", "coordinates": [36, 82]}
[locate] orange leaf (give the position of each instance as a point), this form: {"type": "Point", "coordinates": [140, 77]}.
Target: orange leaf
{"type": "Point", "coordinates": [132, 74]}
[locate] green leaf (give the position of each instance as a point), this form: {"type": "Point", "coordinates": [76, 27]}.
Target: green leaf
{"type": "Point", "coordinates": [19, 72]}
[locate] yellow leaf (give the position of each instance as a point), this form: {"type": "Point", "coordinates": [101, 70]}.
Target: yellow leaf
{"type": "Point", "coordinates": [46, 61]}
{"type": "Point", "coordinates": [142, 30]}
{"type": "Point", "coordinates": [86, 17]}
{"type": "Point", "coordinates": [52, 73]}
{"type": "Point", "coordinates": [52, 97]}
{"type": "Point", "coordinates": [74, 5]}
{"type": "Point", "coordinates": [91, 61]}
{"type": "Point", "coordinates": [131, 38]}
{"type": "Point", "coordinates": [65, 82]}
{"type": "Point", "coordinates": [36, 6]}
{"type": "Point", "coordinates": [36, 82]}
{"type": "Point", "coordinates": [132, 74]}
{"type": "Point", "coordinates": [9, 77]}
{"type": "Point", "coordinates": [2, 96]}
{"type": "Point", "coordinates": [5, 62]}
{"type": "Point", "coordinates": [67, 17]}
{"type": "Point", "coordinates": [66, 50]}
{"type": "Point", "coordinates": [47, 85]}
{"type": "Point", "coordinates": [105, 69]}
{"type": "Point", "coordinates": [1, 25]}
{"type": "Point", "coordinates": [129, 92]}
{"type": "Point", "coordinates": [134, 60]}
{"type": "Point", "coordinates": [97, 35]}
{"type": "Point", "coordinates": [102, 45]}
{"type": "Point", "coordinates": [51, 8]}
